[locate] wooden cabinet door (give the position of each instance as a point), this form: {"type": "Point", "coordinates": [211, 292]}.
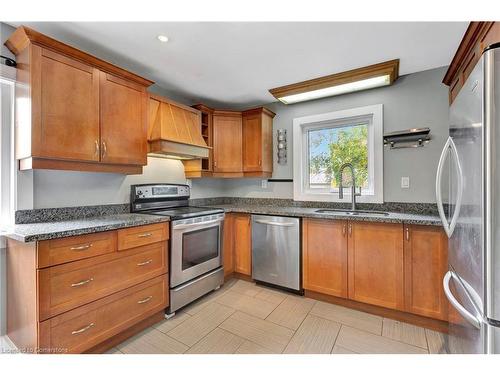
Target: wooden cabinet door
{"type": "Point", "coordinates": [65, 117]}
{"type": "Point", "coordinates": [252, 143]}
{"type": "Point", "coordinates": [123, 121]}
{"type": "Point", "coordinates": [375, 252]}
{"type": "Point", "coordinates": [227, 135]}
{"type": "Point", "coordinates": [242, 244]}
{"type": "Point", "coordinates": [426, 262]}
{"type": "Point", "coordinates": [228, 244]}
{"type": "Point", "coordinates": [324, 255]}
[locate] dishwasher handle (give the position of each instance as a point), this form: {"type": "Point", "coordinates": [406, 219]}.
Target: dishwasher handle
{"type": "Point", "coordinates": [275, 223]}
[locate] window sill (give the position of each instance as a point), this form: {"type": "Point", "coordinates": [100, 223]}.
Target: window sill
{"type": "Point", "coordinates": [334, 197]}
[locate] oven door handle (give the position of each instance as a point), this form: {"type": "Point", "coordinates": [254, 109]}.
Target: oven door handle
{"type": "Point", "coordinates": [193, 225]}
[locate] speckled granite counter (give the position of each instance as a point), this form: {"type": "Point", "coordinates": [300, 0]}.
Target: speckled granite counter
{"type": "Point", "coordinates": [57, 229]}
{"type": "Point", "coordinates": [393, 217]}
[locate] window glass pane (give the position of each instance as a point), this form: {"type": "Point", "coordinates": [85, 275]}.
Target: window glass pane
{"type": "Point", "coordinates": [329, 148]}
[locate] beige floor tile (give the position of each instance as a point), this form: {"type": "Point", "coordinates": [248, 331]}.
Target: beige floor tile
{"type": "Point", "coordinates": [193, 329]}
{"type": "Point", "coordinates": [198, 305]}
{"type": "Point", "coordinates": [218, 341]}
{"type": "Point", "coordinates": [169, 324]}
{"type": "Point", "coordinates": [337, 349]}
{"type": "Point", "coordinates": [314, 336]}
{"type": "Point", "coordinates": [152, 341]}
{"type": "Point", "coordinates": [114, 350]}
{"type": "Point", "coordinates": [291, 312]}
{"type": "Point", "coordinates": [271, 295]}
{"type": "Point", "coordinates": [353, 318]}
{"type": "Point", "coordinates": [245, 287]}
{"type": "Point", "coordinates": [404, 332]}
{"type": "Point", "coordinates": [249, 347]}
{"type": "Point", "coordinates": [269, 335]}
{"type": "Point", "coordinates": [436, 342]}
{"type": "Point", "coordinates": [368, 343]}
{"type": "Point", "coordinates": [250, 305]}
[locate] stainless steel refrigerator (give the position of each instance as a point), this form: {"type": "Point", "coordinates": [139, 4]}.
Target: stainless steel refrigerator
{"type": "Point", "coordinates": [468, 198]}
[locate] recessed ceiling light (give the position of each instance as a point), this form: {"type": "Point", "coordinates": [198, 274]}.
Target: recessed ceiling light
{"type": "Point", "coordinates": [162, 38]}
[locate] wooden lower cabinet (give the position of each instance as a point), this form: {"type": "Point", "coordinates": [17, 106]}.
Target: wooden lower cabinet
{"type": "Point", "coordinates": [324, 256]}
{"type": "Point", "coordinates": [376, 264]}
{"type": "Point", "coordinates": [91, 292]}
{"type": "Point", "coordinates": [242, 232]}
{"type": "Point", "coordinates": [228, 244]}
{"type": "Point", "coordinates": [426, 262]}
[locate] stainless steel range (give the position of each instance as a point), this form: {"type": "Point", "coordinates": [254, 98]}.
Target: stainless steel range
{"type": "Point", "coordinates": [195, 236]}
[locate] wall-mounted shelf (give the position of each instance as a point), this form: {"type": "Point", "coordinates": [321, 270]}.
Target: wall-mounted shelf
{"type": "Point", "coordinates": [409, 138]}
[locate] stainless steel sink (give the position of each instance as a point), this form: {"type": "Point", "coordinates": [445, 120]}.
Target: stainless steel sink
{"type": "Point", "coordinates": [351, 212]}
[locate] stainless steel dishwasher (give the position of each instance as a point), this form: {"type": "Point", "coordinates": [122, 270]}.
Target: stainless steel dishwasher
{"type": "Point", "coordinates": [276, 250]}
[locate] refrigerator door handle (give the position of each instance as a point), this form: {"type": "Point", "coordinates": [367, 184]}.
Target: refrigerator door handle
{"type": "Point", "coordinates": [462, 310]}
{"type": "Point", "coordinates": [449, 227]}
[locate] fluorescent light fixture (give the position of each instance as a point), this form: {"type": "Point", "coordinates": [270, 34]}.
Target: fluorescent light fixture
{"type": "Point", "coordinates": [162, 38]}
{"type": "Point", "coordinates": [364, 84]}
{"type": "Point", "coordinates": [364, 78]}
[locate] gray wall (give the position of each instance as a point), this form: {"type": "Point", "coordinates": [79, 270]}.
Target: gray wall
{"type": "Point", "coordinates": [415, 100]}
{"type": "Point", "coordinates": [5, 31]}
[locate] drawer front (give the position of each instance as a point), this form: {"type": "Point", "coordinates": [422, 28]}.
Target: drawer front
{"type": "Point", "coordinates": [87, 326]}
{"type": "Point", "coordinates": [142, 235]}
{"type": "Point", "coordinates": [68, 286]}
{"type": "Point", "coordinates": [64, 250]}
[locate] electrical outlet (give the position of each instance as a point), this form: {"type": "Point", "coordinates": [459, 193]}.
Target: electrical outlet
{"type": "Point", "coordinates": [405, 182]}
{"type": "Point", "coordinates": [264, 184]}
{"type": "Point", "coordinates": [189, 183]}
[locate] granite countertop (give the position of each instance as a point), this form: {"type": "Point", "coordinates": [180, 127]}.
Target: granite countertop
{"type": "Point", "coordinates": [65, 228]}
{"type": "Point", "coordinates": [393, 217]}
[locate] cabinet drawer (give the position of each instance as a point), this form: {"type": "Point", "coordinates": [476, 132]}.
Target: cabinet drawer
{"type": "Point", "coordinates": [65, 287]}
{"type": "Point", "coordinates": [143, 235]}
{"type": "Point", "coordinates": [63, 250]}
{"type": "Point", "coordinates": [89, 325]}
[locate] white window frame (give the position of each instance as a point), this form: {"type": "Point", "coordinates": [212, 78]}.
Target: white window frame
{"type": "Point", "coordinates": [7, 156]}
{"type": "Point", "coordinates": [373, 114]}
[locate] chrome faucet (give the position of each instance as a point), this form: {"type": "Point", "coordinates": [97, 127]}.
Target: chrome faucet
{"type": "Point", "coordinates": [353, 187]}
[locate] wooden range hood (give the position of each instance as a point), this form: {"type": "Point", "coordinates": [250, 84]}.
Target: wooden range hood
{"type": "Point", "coordinates": [174, 130]}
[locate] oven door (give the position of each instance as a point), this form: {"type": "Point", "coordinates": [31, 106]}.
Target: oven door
{"type": "Point", "coordinates": [196, 247]}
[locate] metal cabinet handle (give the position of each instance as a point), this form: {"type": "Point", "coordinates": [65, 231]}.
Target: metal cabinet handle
{"type": "Point", "coordinates": [462, 310]}
{"type": "Point", "coordinates": [146, 262]}
{"type": "Point", "coordinates": [83, 282]}
{"type": "Point", "coordinates": [407, 231]}
{"type": "Point", "coordinates": [144, 235]}
{"type": "Point", "coordinates": [350, 229]}
{"type": "Point", "coordinates": [82, 247]}
{"type": "Point", "coordinates": [343, 230]}
{"type": "Point", "coordinates": [449, 227]}
{"type": "Point", "coordinates": [260, 162]}
{"type": "Point", "coordinates": [97, 147]}
{"type": "Point", "coordinates": [81, 330]}
{"type": "Point", "coordinates": [147, 299]}
{"type": "Point", "coordinates": [104, 149]}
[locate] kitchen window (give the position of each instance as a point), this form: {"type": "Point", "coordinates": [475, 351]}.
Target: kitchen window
{"type": "Point", "coordinates": [323, 143]}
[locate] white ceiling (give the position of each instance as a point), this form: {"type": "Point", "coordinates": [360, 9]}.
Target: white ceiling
{"type": "Point", "coordinates": [234, 64]}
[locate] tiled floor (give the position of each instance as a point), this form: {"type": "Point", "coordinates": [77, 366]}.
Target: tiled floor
{"type": "Point", "coordinates": [245, 318]}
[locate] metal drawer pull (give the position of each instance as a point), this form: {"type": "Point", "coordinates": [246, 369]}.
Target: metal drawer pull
{"type": "Point", "coordinates": [83, 282]}
{"type": "Point", "coordinates": [146, 262]}
{"type": "Point", "coordinates": [83, 329]}
{"type": "Point", "coordinates": [147, 299]}
{"type": "Point", "coordinates": [145, 235]}
{"type": "Point", "coordinates": [82, 247]}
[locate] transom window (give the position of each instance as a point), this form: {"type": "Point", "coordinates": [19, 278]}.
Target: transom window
{"type": "Point", "coordinates": [323, 143]}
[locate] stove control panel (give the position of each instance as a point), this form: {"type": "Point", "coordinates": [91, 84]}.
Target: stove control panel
{"type": "Point", "coordinates": [156, 191]}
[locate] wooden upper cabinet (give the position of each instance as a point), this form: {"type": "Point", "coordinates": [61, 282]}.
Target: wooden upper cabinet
{"type": "Point", "coordinates": [66, 107]}
{"type": "Point", "coordinates": [324, 256]}
{"type": "Point", "coordinates": [258, 142]}
{"type": "Point", "coordinates": [242, 233]}
{"type": "Point", "coordinates": [426, 262]}
{"type": "Point", "coordinates": [477, 37]}
{"type": "Point", "coordinates": [375, 252]}
{"type": "Point", "coordinates": [227, 133]}
{"type": "Point", "coordinates": [75, 111]}
{"type": "Point", "coordinates": [123, 121]}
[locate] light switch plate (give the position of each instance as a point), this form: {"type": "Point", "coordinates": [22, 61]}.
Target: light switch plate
{"type": "Point", "coordinates": [264, 184]}
{"type": "Point", "coordinates": [405, 182]}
